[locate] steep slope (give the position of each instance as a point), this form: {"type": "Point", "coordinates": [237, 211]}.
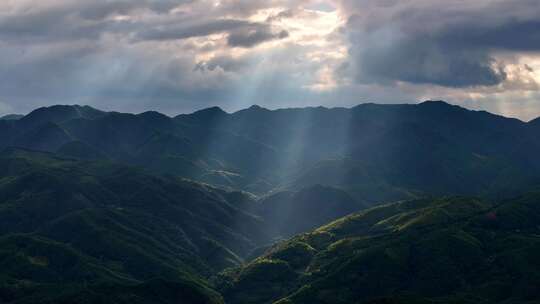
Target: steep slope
{"type": "Point", "coordinates": [45, 137]}
{"type": "Point", "coordinates": [100, 227]}
{"type": "Point", "coordinates": [452, 250]}
{"type": "Point", "coordinates": [159, 143]}
{"type": "Point", "coordinates": [291, 212]}
{"type": "Point", "coordinates": [80, 150]}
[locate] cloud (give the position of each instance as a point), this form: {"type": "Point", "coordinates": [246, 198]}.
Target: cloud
{"type": "Point", "coordinates": [179, 55]}
{"type": "Point", "coordinates": [240, 33]}
{"type": "Point", "coordinates": [251, 37]}
{"type": "Point", "coordinates": [453, 43]}
{"type": "Point", "coordinates": [225, 63]}
{"type": "Point", "coordinates": [184, 30]}
{"type": "Point", "coordinates": [100, 10]}
{"type": "Point", "coordinates": [139, 54]}
{"type": "Point", "coordinates": [46, 21]}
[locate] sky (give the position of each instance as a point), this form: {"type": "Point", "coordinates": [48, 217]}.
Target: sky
{"type": "Point", "coordinates": [177, 56]}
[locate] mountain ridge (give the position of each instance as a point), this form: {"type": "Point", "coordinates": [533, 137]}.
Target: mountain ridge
{"type": "Point", "coordinates": [259, 150]}
{"type": "Point", "coordinates": [308, 205]}
{"type": "Point", "coordinates": [257, 107]}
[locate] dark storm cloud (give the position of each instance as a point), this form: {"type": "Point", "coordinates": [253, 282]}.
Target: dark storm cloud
{"type": "Point", "coordinates": [195, 29]}
{"type": "Point", "coordinates": [250, 37]}
{"type": "Point", "coordinates": [452, 43]}
{"type": "Point", "coordinates": [72, 20]}
{"type": "Point", "coordinates": [240, 32]}
{"type": "Point", "coordinates": [77, 20]}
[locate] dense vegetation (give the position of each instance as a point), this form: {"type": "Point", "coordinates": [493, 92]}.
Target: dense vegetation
{"type": "Point", "coordinates": [287, 207]}
{"type": "Point", "coordinates": [450, 250]}
{"type": "Point", "coordinates": [369, 150]}
{"type": "Point", "coordinates": [105, 228]}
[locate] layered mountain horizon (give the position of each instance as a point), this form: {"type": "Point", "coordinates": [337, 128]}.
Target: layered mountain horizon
{"type": "Point", "coordinates": [427, 203]}
{"type": "Point", "coordinates": [258, 150]}
{"type": "Point", "coordinates": [218, 109]}
{"type": "Point", "coordinates": [269, 152]}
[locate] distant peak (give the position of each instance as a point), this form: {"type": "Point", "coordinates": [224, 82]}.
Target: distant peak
{"type": "Point", "coordinates": [435, 102]}
{"type": "Point", "coordinates": [65, 109]}
{"type": "Point", "coordinates": [257, 107]}
{"type": "Point", "coordinates": [211, 110]}
{"type": "Point", "coordinates": [253, 110]}
{"type": "Point", "coordinates": [205, 114]}
{"type": "Point", "coordinates": [153, 114]}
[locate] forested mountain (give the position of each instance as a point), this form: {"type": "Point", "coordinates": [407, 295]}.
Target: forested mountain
{"type": "Point", "coordinates": [99, 228]}
{"type": "Point", "coordinates": [369, 150]}
{"type": "Point", "coordinates": [448, 250]}
{"type": "Point", "coordinates": [427, 203]}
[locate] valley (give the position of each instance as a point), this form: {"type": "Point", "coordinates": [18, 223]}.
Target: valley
{"type": "Point", "coordinates": [427, 203]}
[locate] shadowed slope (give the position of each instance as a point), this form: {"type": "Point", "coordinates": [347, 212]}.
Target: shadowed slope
{"type": "Point", "coordinates": [374, 152]}
{"type": "Point", "coordinates": [291, 212]}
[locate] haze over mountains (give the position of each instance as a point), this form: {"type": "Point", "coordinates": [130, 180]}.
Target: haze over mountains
{"type": "Point", "coordinates": [363, 149]}
{"type": "Point", "coordinates": [260, 206]}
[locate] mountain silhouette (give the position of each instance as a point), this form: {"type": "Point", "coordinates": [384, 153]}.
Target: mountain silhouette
{"type": "Point", "coordinates": [449, 149]}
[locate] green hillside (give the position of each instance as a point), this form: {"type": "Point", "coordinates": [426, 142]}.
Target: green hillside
{"type": "Point", "coordinates": [450, 250]}
{"type": "Point", "coordinates": [370, 204]}
{"type": "Point", "coordinates": [74, 229]}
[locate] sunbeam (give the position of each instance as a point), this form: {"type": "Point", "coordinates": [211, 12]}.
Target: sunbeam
{"type": "Point", "coordinates": [269, 151]}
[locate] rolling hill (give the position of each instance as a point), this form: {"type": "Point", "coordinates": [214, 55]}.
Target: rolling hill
{"type": "Point", "coordinates": [373, 204]}
{"type": "Point", "coordinates": [102, 229]}
{"type": "Point", "coordinates": [447, 250]}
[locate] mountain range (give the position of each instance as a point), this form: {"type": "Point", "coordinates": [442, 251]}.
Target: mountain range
{"type": "Point", "coordinates": [426, 203]}
{"type": "Point", "coordinates": [364, 150]}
